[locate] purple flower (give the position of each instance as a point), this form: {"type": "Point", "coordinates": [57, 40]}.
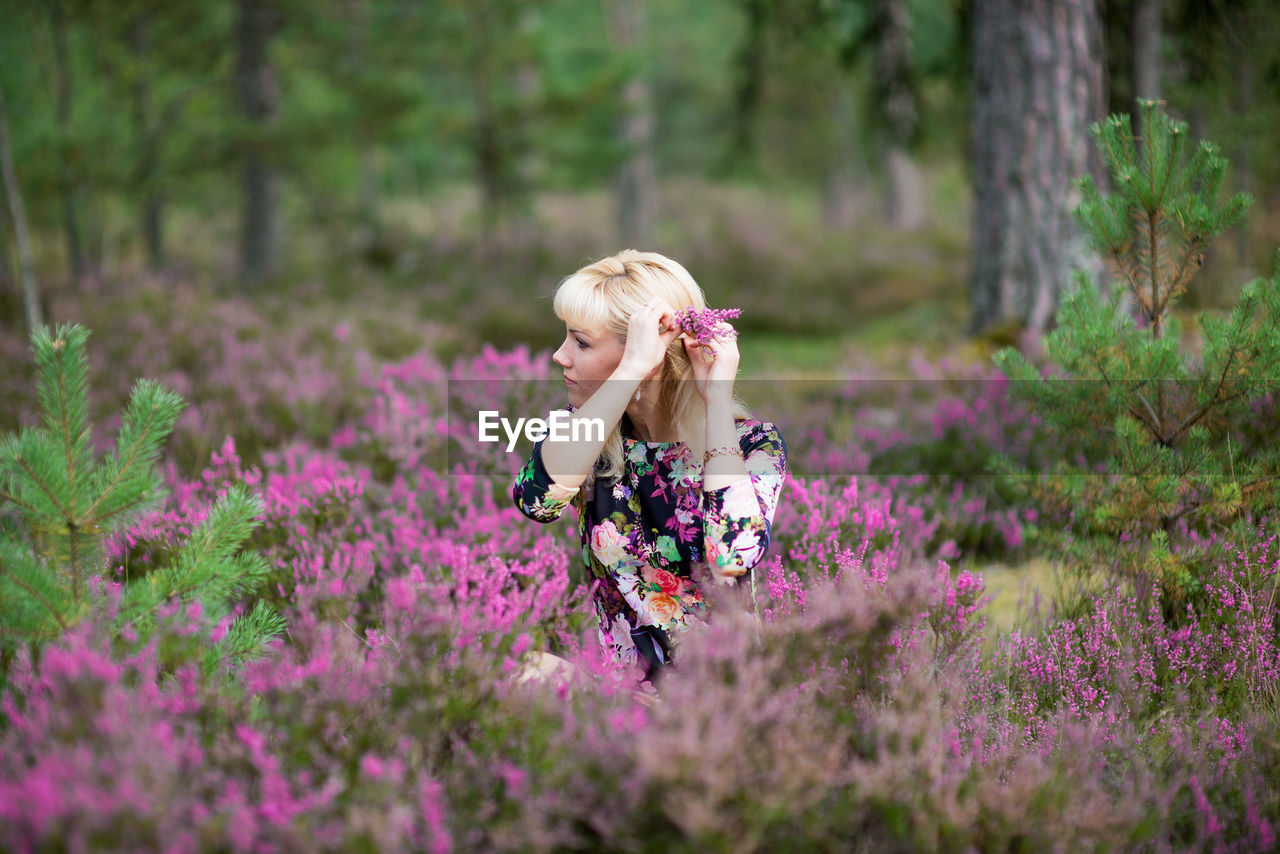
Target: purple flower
{"type": "Point", "coordinates": [707, 324]}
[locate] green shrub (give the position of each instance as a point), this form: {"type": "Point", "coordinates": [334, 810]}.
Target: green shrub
{"type": "Point", "coordinates": [61, 503]}
{"type": "Point", "coordinates": [1166, 457]}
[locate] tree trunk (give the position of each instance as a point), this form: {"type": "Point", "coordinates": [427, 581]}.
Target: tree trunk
{"type": "Point", "coordinates": [63, 105]}
{"type": "Point", "coordinates": [30, 287]}
{"type": "Point", "coordinates": [151, 215]}
{"type": "Point", "coordinates": [636, 189]}
{"type": "Point", "coordinates": [840, 184]}
{"type": "Point", "coordinates": [749, 85]}
{"type": "Point", "coordinates": [898, 113]}
{"type": "Point", "coordinates": [1146, 55]}
{"type": "Point", "coordinates": [10, 289]}
{"type": "Point", "coordinates": [153, 231]}
{"type": "Point", "coordinates": [486, 145]}
{"type": "Point", "coordinates": [369, 201]}
{"type": "Point", "coordinates": [904, 199]}
{"type": "Point", "coordinates": [486, 142]}
{"type": "Point", "coordinates": [504, 85]}
{"type": "Point", "coordinates": [1243, 94]}
{"type": "Point", "coordinates": [258, 96]}
{"type": "Point", "coordinates": [523, 154]}
{"type": "Point", "coordinates": [1037, 85]}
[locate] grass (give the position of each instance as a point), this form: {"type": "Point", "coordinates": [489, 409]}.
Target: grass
{"type": "Point", "coordinates": [784, 354]}
{"type": "Point", "coordinates": [1015, 592]}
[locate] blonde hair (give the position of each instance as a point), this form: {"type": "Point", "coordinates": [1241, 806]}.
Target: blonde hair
{"type": "Point", "coordinates": [603, 296]}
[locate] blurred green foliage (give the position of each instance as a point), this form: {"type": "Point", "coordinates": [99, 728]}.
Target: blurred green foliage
{"type": "Point", "coordinates": [384, 100]}
{"type": "Point", "coordinates": [418, 143]}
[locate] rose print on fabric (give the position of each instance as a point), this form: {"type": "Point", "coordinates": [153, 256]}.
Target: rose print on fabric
{"type": "Point", "coordinates": [661, 581]}
{"type": "Point", "coordinates": [608, 544]}
{"type": "Point", "coordinates": [663, 609]}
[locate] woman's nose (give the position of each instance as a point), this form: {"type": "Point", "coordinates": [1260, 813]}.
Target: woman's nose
{"type": "Point", "coordinates": [559, 358]}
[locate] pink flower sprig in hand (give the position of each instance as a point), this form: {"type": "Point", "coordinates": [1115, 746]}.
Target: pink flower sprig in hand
{"type": "Point", "coordinates": [708, 324]}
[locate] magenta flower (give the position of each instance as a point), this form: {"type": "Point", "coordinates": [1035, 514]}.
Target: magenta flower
{"type": "Point", "coordinates": [708, 324]}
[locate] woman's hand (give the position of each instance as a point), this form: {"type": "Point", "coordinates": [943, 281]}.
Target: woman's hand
{"type": "Point", "coordinates": [715, 364]}
{"type": "Point", "coordinates": [649, 332]}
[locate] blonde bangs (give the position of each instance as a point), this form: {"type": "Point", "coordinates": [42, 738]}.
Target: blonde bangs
{"type": "Point", "coordinates": [580, 301]}
{"type": "Point", "coordinates": [604, 295]}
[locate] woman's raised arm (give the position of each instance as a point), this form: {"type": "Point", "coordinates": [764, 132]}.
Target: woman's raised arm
{"type": "Point", "coordinates": [569, 462]}
{"type": "Point", "coordinates": [738, 518]}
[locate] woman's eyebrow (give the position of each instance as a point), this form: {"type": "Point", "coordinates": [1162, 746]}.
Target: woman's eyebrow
{"type": "Point", "coordinates": [580, 332]}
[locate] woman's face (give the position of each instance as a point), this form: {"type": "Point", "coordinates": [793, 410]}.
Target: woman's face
{"type": "Point", "coordinates": [589, 357]}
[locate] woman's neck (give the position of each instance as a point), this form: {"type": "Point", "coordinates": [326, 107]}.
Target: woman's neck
{"type": "Point", "coordinates": [650, 425]}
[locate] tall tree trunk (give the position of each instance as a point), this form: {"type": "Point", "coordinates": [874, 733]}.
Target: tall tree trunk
{"type": "Point", "coordinates": [636, 190]}
{"type": "Point", "coordinates": [6, 264]}
{"type": "Point", "coordinates": [258, 96]}
{"type": "Point", "coordinates": [486, 144]}
{"type": "Point", "coordinates": [749, 85]}
{"type": "Point", "coordinates": [899, 114]}
{"type": "Point", "coordinates": [840, 183]}
{"type": "Point", "coordinates": [153, 230]}
{"type": "Point", "coordinates": [369, 193]}
{"type": "Point", "coordinates": [63, 106]}
{"type": "Point", "coordinates": [1243, 94]}
{"type": "Point", "coordinates": [1037, 85]}
{"type": "Point", "coordinates": [27, 267]}
{"type": "Point", "coordinates": [370, 201]}
{"type": "Point", "coordinates": [519, 147]}
{"type": "Point", "coordinates": [12, 311]}
{"type": "Point", "coordinates": [904, 198]}
{"type": "Point", "coordinates": [1146, 55]}
{"type": "Point", "coordinates": [501, 151]}
{"type": "Point", "coordinates": [151, 214]}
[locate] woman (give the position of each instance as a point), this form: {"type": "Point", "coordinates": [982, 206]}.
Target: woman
{"type": "Point", "coordinates": [683, 487]}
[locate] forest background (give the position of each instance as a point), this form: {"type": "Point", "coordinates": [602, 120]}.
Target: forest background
{"type": "Point", "coordinates": [456, 159]}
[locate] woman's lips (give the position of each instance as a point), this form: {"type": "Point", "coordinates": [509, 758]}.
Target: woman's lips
{"type": "Point", "coordinates": [568, 381]}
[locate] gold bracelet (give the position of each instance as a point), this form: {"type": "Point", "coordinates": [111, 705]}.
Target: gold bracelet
{"type": "Point", "coordinates": [722, 451]}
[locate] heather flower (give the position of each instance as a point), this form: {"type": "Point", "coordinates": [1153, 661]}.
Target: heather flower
{"type": "Point", "coordinates": [708, 324]}
{"type": "Point", "coordinates": [859, 699]}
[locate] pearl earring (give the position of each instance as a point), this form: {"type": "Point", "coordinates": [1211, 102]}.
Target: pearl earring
{"type": "Point", "coordinates": [637, 394]}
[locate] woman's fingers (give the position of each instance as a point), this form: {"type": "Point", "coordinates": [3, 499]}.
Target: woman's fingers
{"type": "Point", "coordinates": [650, 332]}
{"type": "Point", "coordinates": [668, 328]}
{"type": "Point", "coordinates": [705, 349]}
{"type": "Point", "coordinates": [666, 319]}
{"type": "Point", "coordinates": [656, 314]}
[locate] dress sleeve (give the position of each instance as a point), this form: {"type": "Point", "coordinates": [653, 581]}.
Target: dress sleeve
{"type": "Point", "coordinates": [536, 494]}
{"type": "Point", "coordinates": [737, 518]}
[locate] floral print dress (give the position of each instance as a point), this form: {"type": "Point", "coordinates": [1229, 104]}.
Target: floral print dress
{"type": "Point", "coordinates": [645, 535]}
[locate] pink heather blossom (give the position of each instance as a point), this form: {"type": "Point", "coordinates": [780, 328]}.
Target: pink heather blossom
{"type": "Point", "coordinates": [371, 766]}
{"type": "Point", "coordinates": [707, 324]}
{"type": "Point", "coordinates": [385, 721]}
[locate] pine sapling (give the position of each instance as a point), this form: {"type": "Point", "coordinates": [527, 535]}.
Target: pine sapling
{"type": "Point", "coordinates": [1162, 430]}
{"type": "Point", "coordinates": [63, 503]}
